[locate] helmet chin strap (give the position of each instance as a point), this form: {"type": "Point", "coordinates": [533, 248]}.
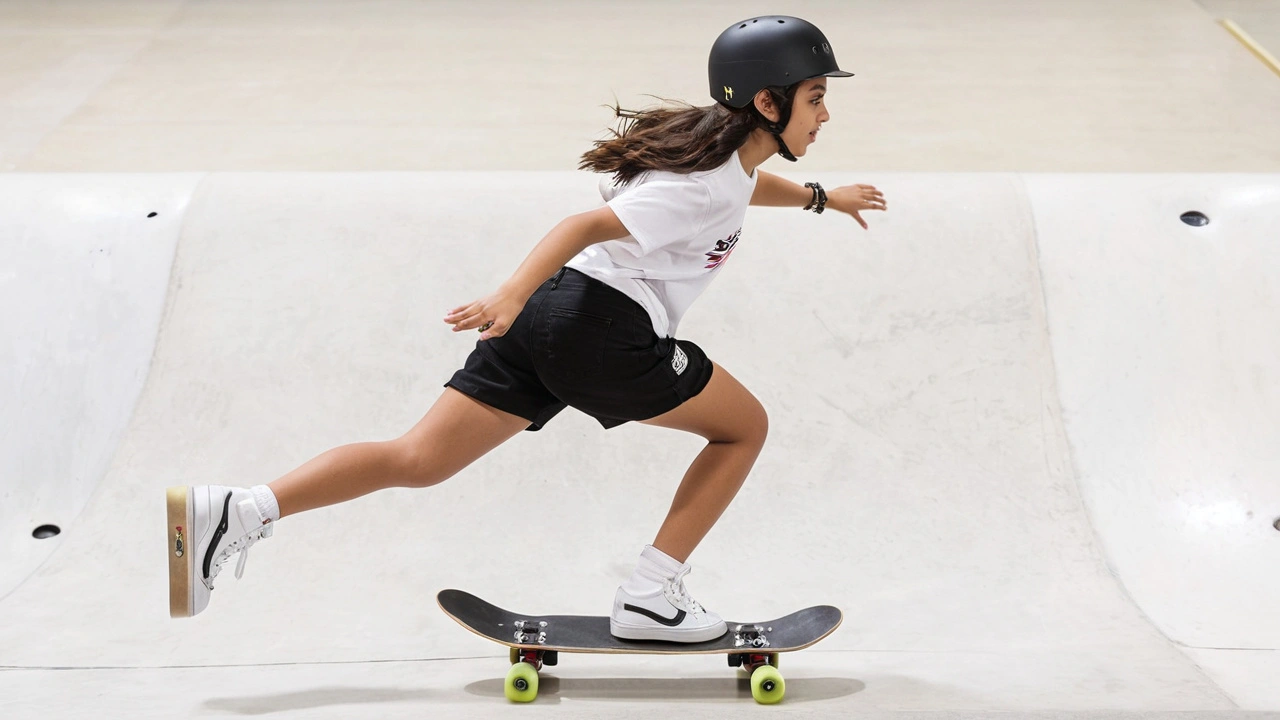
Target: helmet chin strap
{"type": "Point", "coordinates": [775, 129]}
{"type": "Point", "coordinates": [783, 150]}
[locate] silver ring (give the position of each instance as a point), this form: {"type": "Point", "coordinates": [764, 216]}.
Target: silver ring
{"type": "Point", "coordinates": [486, 326]}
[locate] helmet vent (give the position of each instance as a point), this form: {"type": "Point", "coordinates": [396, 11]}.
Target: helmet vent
{"type": "Point", "coordinates": [782, 22]}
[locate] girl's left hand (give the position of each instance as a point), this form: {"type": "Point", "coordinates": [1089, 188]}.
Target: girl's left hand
{"type": "Point", "coordinates": [853, 198]}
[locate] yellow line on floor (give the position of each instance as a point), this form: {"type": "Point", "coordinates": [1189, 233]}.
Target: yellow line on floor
{"type": "Point", "coordinates": [1267, 58]}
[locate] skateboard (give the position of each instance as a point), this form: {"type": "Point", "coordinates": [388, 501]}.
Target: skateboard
{"type": "Point", "coordinates": [538, 640]}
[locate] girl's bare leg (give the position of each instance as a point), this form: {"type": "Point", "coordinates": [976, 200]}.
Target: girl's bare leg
{"type": "Point", "coordinates": [735, 425]}
{"type": "Point", "coordinates": [455, 432]}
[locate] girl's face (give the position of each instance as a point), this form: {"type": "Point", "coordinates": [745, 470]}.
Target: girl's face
{"type": "Point", "coordinates": [808, 112]}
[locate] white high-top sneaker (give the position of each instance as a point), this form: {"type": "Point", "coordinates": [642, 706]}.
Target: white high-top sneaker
{"type": "Point", "coordinates": [667, 613]}
{"type": "Point", "coordinates": [207, 525]}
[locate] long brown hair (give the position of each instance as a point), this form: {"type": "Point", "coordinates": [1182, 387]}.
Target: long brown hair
{"type": "Point", "coordinates": [679, 138]}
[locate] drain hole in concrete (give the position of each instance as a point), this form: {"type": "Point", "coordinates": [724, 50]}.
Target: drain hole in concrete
{"type": "Point", "coordinates": [1195, 218]}
{"type": "Point", "coordinates": [45, 532]}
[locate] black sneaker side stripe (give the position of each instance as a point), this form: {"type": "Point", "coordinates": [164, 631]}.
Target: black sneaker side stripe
{"type": "Point", "coordinates": [217, 535]}
{"type": "Point", "coordinates": [669, 622]}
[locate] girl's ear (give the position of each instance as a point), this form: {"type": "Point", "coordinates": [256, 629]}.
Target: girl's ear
{"type": "Point", "coordinates": [764, 103]}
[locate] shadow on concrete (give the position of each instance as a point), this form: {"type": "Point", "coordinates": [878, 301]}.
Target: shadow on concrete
{"type": "Point", "coordinates": [550, 689]}
{"type": "Point", "coordinates": [317, 698]}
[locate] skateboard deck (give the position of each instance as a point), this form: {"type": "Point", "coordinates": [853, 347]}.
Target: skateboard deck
{"type": "Point", "coordinates": [537, 640]}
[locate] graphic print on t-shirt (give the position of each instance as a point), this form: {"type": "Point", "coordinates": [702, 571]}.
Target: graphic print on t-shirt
{"type": "Point", "coordinates": [681, 229]}
{"type": "Point", "coordinates": [723, 249]}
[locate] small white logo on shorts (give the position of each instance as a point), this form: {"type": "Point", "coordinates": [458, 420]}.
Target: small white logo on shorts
{"type": "Point", "coordinates": [680, 362]}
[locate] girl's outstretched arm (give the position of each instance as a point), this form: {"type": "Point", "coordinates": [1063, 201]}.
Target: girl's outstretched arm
{"type": "Point", "coordinates": [774, 191]}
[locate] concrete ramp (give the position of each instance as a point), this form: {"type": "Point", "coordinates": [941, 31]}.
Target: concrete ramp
{"type": "Point", "coordinates": [1023, 433]}
{"type": "Point", "coordinates": [1166, 338]}
{"type": "Point", "coordinates": [84, 265]}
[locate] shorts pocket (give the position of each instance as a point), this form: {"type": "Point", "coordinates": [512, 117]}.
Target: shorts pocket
{"type": "Point", "coordinates": [576, 342]}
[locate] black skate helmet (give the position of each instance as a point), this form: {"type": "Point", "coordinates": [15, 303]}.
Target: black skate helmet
{"type": "Point", "coordinates": [768, 51]}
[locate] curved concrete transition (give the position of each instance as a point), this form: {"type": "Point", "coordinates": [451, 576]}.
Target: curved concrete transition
{"type": "Point", "coordinates": [1025, 432]}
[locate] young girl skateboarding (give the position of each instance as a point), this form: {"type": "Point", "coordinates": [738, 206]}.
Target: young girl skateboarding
{"type": "Point", "coordinates": [589, 320]}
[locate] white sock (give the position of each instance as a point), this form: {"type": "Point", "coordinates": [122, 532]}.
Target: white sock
{"type": "Point", "coordinates": [266, 500]}
{"type": "Point", "coordinates": [654, 567]}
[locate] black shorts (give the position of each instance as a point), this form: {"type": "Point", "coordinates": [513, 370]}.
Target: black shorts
{"type": "Point", "coordinates": [580, 343]}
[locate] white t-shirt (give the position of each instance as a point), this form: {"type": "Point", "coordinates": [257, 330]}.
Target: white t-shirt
{"type": "Point", "coordinates": [683, 228]}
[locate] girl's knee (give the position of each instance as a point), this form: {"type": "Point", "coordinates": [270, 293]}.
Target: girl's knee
{"type": "Point", "coordinates": [757, 426]}
{"type": "Point", "coordinates": [750, 425]}
{"type": "Point", "coordinates": [416, 467]}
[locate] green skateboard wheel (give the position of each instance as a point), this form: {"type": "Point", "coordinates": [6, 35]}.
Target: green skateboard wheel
{"type": "Point", "coordinates": [522, 683]}
{"type": "Point", "coordinates": [767, 685]}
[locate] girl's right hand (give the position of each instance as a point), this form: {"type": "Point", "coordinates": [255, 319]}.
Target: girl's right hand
{"type": "Point", "coordinates": [492, 316]}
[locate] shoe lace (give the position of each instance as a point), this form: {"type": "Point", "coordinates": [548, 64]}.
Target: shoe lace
{"type": "Point", "coordinates": [680, 594]}
{"type": "Point", "coordinates": [241, 546]}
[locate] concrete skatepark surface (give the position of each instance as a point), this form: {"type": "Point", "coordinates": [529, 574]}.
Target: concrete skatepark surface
{"type": "Point", "coordinates": [947, 461]}
{"type": "Point", "coordinates": [1025, 432]}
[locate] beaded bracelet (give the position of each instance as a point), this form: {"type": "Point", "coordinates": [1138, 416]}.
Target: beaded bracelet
{"type": "Point", "coordinates": [819, 201]}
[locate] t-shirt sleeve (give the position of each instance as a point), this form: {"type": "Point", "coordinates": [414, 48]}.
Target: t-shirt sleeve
{"type": "Point", "coordinates": [662, 212]}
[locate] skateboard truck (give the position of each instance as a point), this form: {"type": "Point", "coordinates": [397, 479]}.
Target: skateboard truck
{"type": "Point", "coordinates": [752, 638]}
{"type": "Point", "coordinates": [530, 632]}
